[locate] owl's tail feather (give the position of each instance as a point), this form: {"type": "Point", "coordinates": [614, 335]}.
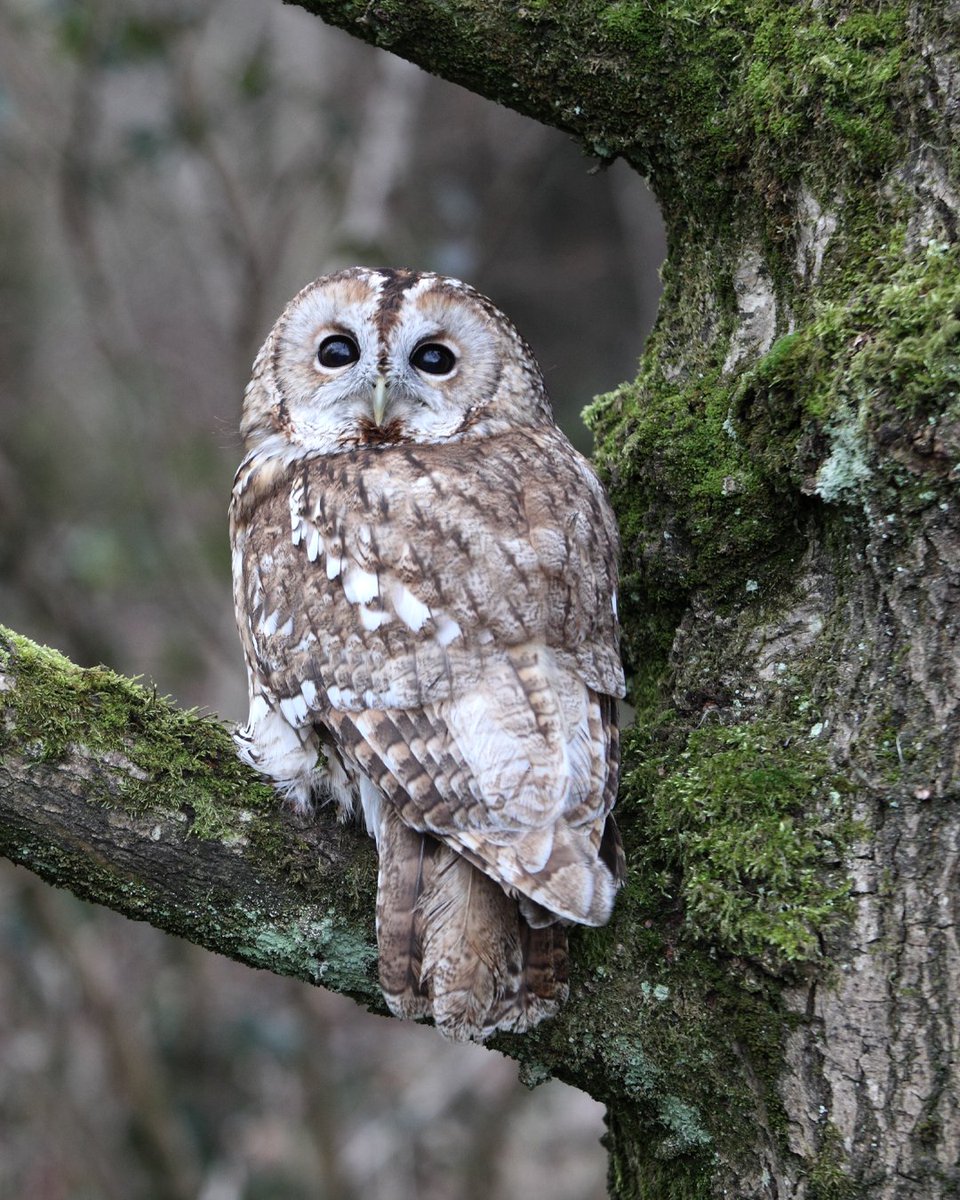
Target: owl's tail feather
{"type": "Point", "coordinates": [543, 982]}
{"type": "Point", "coordinates": [405, 861]}
{"type": "Point", "coordinates": [454, 946]}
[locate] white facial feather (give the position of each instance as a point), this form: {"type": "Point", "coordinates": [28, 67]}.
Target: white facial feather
{"type": "Point", "coordinates": [300, 407]}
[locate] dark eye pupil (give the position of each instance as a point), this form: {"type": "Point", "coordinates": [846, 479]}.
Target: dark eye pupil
{"type": "Point", "coordinates": [433, 358]}
{"type": "Point", "coordinates": [338, 350]}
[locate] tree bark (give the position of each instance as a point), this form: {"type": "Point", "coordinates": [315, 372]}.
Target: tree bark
{"type": "Point", "coordinates": [771, 1013]}
{"type": "Point", "coordinates": [111, 791]}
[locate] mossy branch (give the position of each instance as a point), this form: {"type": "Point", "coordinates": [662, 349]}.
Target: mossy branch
{"type": "Point", "coordinates": [111, 791]}
{"type": "Point", "coordinates": [704, 99]}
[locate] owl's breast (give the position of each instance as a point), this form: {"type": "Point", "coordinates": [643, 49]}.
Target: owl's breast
{"type": "Point", "coordinates": [395, 576]}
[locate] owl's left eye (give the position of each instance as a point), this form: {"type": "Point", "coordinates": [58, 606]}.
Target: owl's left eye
{"type": "Point", "coordinates": [434, 358]}
{"type": "Point", "coordinates": [338, 350]}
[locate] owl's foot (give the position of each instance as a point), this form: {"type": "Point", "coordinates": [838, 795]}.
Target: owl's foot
{"type": "Point", "coordinates": [289, 756]}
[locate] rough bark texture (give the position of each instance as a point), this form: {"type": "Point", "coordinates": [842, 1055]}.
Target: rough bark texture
{"type": "Point", "coordinates": [771, 1014]}
{"type": "Point", "coordinates": [111, 791]}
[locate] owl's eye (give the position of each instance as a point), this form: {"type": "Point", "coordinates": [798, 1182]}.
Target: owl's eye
{"type": "Point", "coordinates": [338, 350]}
{"type": "Point", "coordinates": [434, 358]}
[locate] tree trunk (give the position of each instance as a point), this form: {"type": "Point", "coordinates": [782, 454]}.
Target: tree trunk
{"type": "Point", "coordinates": [771, 1013]}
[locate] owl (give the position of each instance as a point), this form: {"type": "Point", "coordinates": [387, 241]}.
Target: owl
{"type": "Point", "coordinates": [425, 584]}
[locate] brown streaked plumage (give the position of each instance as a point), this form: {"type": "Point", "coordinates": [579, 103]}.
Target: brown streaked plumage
{"type": "Point", "coordinates": [425, 584]}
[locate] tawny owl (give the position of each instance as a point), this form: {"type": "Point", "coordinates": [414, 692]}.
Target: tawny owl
{"type": "Point", "coordinates": [425, 584]}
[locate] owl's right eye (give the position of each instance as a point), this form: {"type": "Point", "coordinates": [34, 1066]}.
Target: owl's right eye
{"type": "Point", "coordinates": [337, 351]}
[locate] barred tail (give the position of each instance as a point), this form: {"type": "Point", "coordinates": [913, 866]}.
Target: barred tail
{"type": "Point", "coordinates": [454, 946]}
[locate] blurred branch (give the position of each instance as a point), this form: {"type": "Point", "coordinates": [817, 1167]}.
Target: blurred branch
{"type": "Point", "coordinates": [161, 1137]}
{"type": "Point", "coordinates": [383, 151]}
{"type": "Point", "coordinates": [247, 242]}
{"type": "Point", "coordinates": [109, 323]}
{"type": "Point", "coordinates": [556, 63]}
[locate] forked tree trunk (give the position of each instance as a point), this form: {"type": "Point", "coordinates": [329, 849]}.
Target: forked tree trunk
{"type": "Point", "coordinates": [772, 1012]}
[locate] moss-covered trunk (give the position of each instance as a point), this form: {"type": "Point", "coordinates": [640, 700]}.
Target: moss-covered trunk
{"type": "Point", "coordinates": [771, 1013]}
{"type": "Point", "coordinates": [784, 470]}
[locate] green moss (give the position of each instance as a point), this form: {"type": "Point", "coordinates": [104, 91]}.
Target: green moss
{"type": "Point", "coordinates": [697, 507]}
{"type": "Point", "coordinates": [709, 471]}
{"type": "Point", "coordinates": [174, 764]}
{"type": "Point", "coordinates": [685, 49]}
{"type": "Point", "coordinates": [822, 76]}
{"type": "Point", "coordinates": [740, 830]}
{"type": "Point", "coordinates": [180, 773]}
{"type": "Point", "coordinates": [735, 859]}
{"type": "Point", "coordinates": [876, 369]}
{"type": "Point", "coordinates": [827, 1179]}
{"type": "Point", "coordinates": [911, 330]}
{"type": "Point", "coordinates": [175, 760]}
{"type": "Point", "coordinates": [705, 97]}
{"type": "Point", "coordinates": [636, 1175]}
{"type": "Point", "coordinates": [683, 1059]}
{"type": "Point", "coordinates": [760, 92]}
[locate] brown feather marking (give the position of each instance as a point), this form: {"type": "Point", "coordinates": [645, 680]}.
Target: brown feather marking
{"type": "Point", "coordinates": [454, 946]}
{"type": "Point", "coordinates": [508, 597]}
{"type": "Point", "coordinates": [559, 866]}
{"type": "Point", "coordinates": [544, 979]}
{"type": "Point", "coordinates": [472, 958]}
{"type": "Point", "coordinates": [392, 293]}
{"type": "Point", "coordinates": [405, 860]}
{"type": "Point", "coordinates": [369, 433]}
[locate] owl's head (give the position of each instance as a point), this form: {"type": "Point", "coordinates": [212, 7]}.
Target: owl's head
{"type": "Point", "coordinates": [379, 357]}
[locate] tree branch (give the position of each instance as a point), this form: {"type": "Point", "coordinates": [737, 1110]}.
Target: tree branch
{"type": "Point", "coordinates": [109, 790]}
{"type": "Point", "coordinates": [540, 59]}
{"type": "Point", "coordinates": [649, 83]}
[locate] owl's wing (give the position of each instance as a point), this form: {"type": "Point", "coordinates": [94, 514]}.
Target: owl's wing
{"type": "Point", "coordinates": [449, 613]}
{"type": "Point", "coordinates": [523, 791]}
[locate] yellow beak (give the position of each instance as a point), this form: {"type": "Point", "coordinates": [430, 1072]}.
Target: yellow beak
{"type": "Point", "coordinates": [379, 400]}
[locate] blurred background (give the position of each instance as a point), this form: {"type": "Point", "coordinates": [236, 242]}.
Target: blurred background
{"type": "Point", "coordinates": [170, 174]}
